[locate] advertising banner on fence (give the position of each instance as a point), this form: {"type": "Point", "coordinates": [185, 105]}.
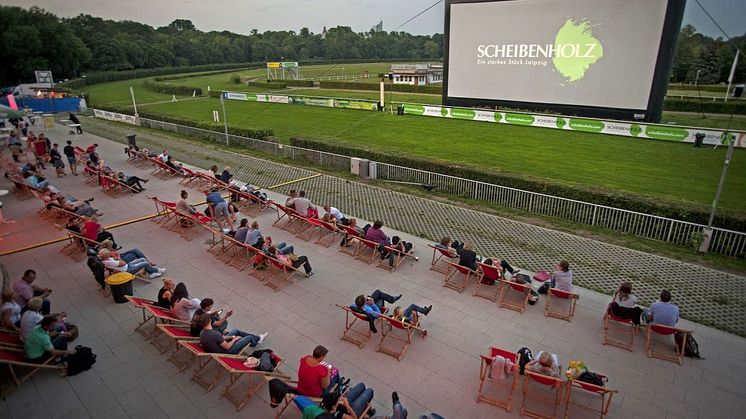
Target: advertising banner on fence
{"type": "Point", "coordinates": [329, 102]}
{"type": "Point", "coordinates": [113, 116]}
{"type": "Point", "coordinates": [626, 129]}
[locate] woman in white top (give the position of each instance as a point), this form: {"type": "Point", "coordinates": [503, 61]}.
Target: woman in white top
{"type": "Point", "coordinates": [10, 310]}
{"type": "Point", "coordinates": [623, 305]}
{"type": "Point", "coordinates": [181, 305]}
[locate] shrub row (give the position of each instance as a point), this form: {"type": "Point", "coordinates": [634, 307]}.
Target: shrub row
{"type": "Point", "coordinates": [259, 134]}
{"type": "Point", "coordinates": [402, 88]}
{"type": "Point", "coordinates": [298, 83]}
{"type": "Point", "coordinates": [695, 105]}
{"type": "Point", "coordinates": [172, 89]}
{"type": "Point", "coordinates": [204, 73]}
{"type": "Point", "coordinates": [269, 85]}
{"type": "Point", "coordinates": [725, 219]}
{"type": "Point", "coordinates": [702, 88]}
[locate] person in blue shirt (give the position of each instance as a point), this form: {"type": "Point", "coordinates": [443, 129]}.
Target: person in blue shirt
{"type": "Point", "coordinates": [373, 305]}
{"type": "Point", "coordinates": [220, 208]}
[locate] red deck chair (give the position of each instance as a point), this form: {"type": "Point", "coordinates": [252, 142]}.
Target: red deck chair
{"type": "Point", "coordinates": [398, 256]}
{"type": "Point", "coordinates": [486, 380]}
{"type": "Point", "coordinates": [310, 229]}
{"type": "Point", "coordinates": [278, 274]}
{"type": "Point", "coordinates": [10, 339]}
{"type": "Point", "coordinates": [195, 353]}
{"type": "Point", "coordinates": [662, 330]}
{"type": "Point", "coordinates": [522, 290]}
{"type": "Point", "coordinates": [440, 256]}
{"type": "Point", "coordinates": [20, 190]}
{"type": "Point", "coordinates": [163, 213]}
{"type": "Point", "coordinates": [188, 176]}
{"type": "Point", "coordinates": [140, 303]}
{"type": "Point", "coordinates": [14, 359]}
{"type": "Point", "coordinates": [456, 272]}
{"type": "Point", "coordinates": [163, 315]}
{"type": "Point", "coordinates": [554, 298]}
{"type": "Point", "coordinates": [625, 326]}
{"type": "Point", "coordinates": [173, 335]}
{"type": "Point", "coordinates": [356, 335]}
{"type": "Point", "coordinates": [554, 385]}
{"type": "Point", "coordinates": [353, 237]}
{"type": "Point", "coordinates": [220, 242]}
{"type": "Point", "coordinates": [75, 247]}
{"type": "Point", "coordinates": [234, 366]}
{"type": "Point", "coordinates": [249, 204]}
{"type": "Point", "coordinates": [91, 175]}
{"type": "Point", "coordinates": [388, 325]}
{"type": "Point", "coordinates": [288, 219]}
{"type": "Point", "coordinates": [241, 254]}
{"type": "Point", "coordinates": [366, 250]}
{"type": "Point", "coordinates": [328, 234]}
{"type": "Point", "coordinates": [576, 386]}
{"type": "Point", "coordinates": [186, 225]}
{"type": "Point", "coordinates": [488, 281]}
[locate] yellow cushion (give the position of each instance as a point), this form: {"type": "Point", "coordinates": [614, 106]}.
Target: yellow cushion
{"type": "Point", "coordinates": [119, 278]}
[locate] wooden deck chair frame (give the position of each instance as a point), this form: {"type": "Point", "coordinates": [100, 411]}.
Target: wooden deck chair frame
{"type": "Point", "coordinates": [519, 288]}
{"type": "Point", "coordinates": [60, 217]}
{"type": "Point", "coordinates": [287, 218]}
{"type": "Point", "coordinates": [91, 175]}
{"type": "Point", "coordinates": [77, 246]}
{"type": "Point", "coordinates": [163, 211]}
{"type": "Point", "coordinates": [624, 325]}
{"type": "Point", "coordinates": [20, 191]}
{"type": "Point", "coordinates": [249, 204]}
{"type": "Point", "coordinates": [492, 291]}
{"type": "Point", "coordinates": [399, 257]}
{"type": "Point", "coordinates": [606, 394]}
{"type": "Point", "coordinates": [452, 272]}
{"type": "Point", "coordinates": [352, 334]}
{"type": "Point", "coordinates": [678, 354]}
{"type": "Point", "coordinates": [188, 176]}
{"type": "Point", "coordinates": [191, 228]}
{"type": "Point", "coordinates": [194, 349]}
{"type": "Point", "coordinates": [388, 324]}
{"type": "Point", "coordinates": [10, 339]}
{"type": "Point", "coordinates": [141, 303]}
{"type": "Point", "coordinates": [173, 336]}
{"type": "Point", "coordinates": [163, 315]}
{"type": "Point", "coordinates": [235, 374]}
{"type": "Point", "coordinates": [557, 387]}
{"type": "Point", "coordinates": [219, 243]}
{"type": "Point", "coordinates": [310, 228]}
{"type": "Point", "coordinates": [366, 250]}
{"type": "Point", "coordinates": [353, 237]}
{"type": "Point", "coordinates": [279, 274]}
{"type": "Point", "coordinates": [14, 358]}
{"type": "Point", "coordinates": [484, 378]}
{"type": "Point", "coordinates": [328, 234]}
{"type": "Point", "coordinates": [114, 187]}
{"type": "Point", "coordinates": [436, 264]}
{"type": "Point", "coordinates": [556, 294]}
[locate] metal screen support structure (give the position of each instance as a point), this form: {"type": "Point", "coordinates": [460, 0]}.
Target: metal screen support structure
{"type": "Point", "coordinates": [225, 120]}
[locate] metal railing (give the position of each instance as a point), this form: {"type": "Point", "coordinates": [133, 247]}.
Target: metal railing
{"type": "Point", "coordinates": [653, 227]}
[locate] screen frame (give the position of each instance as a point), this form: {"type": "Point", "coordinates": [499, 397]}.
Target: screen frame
{"type": "Point", "coordinates": [664, 62]}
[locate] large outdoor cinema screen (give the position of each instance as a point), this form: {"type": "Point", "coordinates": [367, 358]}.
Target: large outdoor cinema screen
{"type": "Point", "coordinates": [600, 58]}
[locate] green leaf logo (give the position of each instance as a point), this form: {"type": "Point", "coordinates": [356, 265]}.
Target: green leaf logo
{"type": "Point", "coordinates": [576, 50]}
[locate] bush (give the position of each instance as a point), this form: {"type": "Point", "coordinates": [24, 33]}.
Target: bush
{"type": "Point", "coordinates": [268, 84]}
{"type": "Point", "coordinates": [403, 88]}
{"type": "Point", "coordinates": [726, 219]}
{"type": "Point", "coordinates": [235, 79]}
{"type": "Point", "coordinates": [298, 83]}
{"type": "Point", "coordinates": [172, 89]}
{"type": "Point", "coordinates": [695, 105]}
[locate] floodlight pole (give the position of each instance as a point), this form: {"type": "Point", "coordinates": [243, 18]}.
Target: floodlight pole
{"type": "Point", "coordinates": [732, 73]}
{"type": "Point", "coordinates": [225, 120]}
{"type": "Point", "coordinates": [134, 104]}
{"type": "Point", "coordinates": [728, 157]}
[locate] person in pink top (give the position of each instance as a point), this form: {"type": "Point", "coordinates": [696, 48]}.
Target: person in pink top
{"type": "Point", "coordinates": [374, 233]}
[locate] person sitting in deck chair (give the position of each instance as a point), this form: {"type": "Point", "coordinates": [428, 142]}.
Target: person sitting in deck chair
{"type": "Point", "coordinates": [316, 377]}
{"type": "Point", "coordinates": [94, 231]}
{"type": "Point", "coordinates": [176, 167]}
{"type": "Point", "coordinates": [452, 246]}
{"type": "Point", "coordinates": [623, 305]}
{"type": "Point", "coordinates": [254, 237]}
{"type": "Point", "coordinates": [182, 306]}
{"type": "Point", "coordinates": [336, 213]}
{"type": "Point", "coordinates": [329, 219]}
{"type": "Point", "coordinates": [373, 305]}
{"type": "Point", "coordinates": [349, 406]}
{"type": "Point", "coordinates": [281, 247]}
{"type": "Point", "coordinates": [219, 321]}
{"type": "Point", "coordinates": [165, 293]}
{"type": "Point", "coordinates": [411, 314]}
{"type": "Point", "coordinates": [304, 206]}
{"type": "Point", "coordinates": [468, 257]}
{"type": "Point", "coordinates": [132, 181]}
{"type": "Point", "coordinates": [290, 202]}
{"type": "Point", "coordinates": [133, 267]}
{"type": "Point", "coordinates": [71, 204]}
{"type": "Point", "coordinates": [400, 247]}
{"type": "Point", "coordinates": [662, 311]}
{"type": "Point", "coordinates": [545, 363]}
{"type": "Point", "coordinates": [293, 260]}
{"type": "Point", "coordinates": [215, 342]}
{"type": "Point", "coordinates": [37, 346]}
{"type": "Point", "coordinates": [183, 206]}
{"type": "Point", "coordinates": [347, 240]}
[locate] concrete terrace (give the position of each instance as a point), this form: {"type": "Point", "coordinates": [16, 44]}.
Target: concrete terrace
{"type": "Point", "coordinates": [438, 373]}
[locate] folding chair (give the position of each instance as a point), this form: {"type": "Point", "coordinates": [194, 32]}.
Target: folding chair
{"type": "Point", "coordinates": [558, 295]}
{"type": "Point", "coordinates": [234, 365]}
{"type": "Point", "coordinates": [173, 335]}
{"type": "Point", "coordinates": [485, 378]}
{"type": "Point", "coordinates": [388, 324]}
{"type": "Point", "coordinates": [351, 333]}
{"type": "Point", "coordinates": [289, 400]}
{"type": "Point", "coordinates": [20, 190]}
{"type": "Point", "coordinates": [312, 226]}
{"type": "Point", "coordinates": [366, 250]}
{"type": "Point", "coordinates": [398, 256]}
{"type": "Point", "coordinates": [287, 219]}
{"type": "Point", "coordinates": [14, 359]}
{"type": "Point", "coordinates": [440, 256]}
{"type": "Point", "coordinates": [188, 225]}
{"type": "Point", "coordinates": [219, 241]}
{"type": "Point", "coordinates": [195, 352]}
{"type": "Point", "coordinates": [163, 211]}
{"type": "Point", "coordinates": [522, 290]}
{"type": "Point", "coordinates": [92, 175]}
{"type": "Point", "coordinates": [189, 176]}
{"type": "Point", "coordinates": [488, 281]}
{"type": "Point", "coordinates": [353, 237]}
{"type": "Point", "coordinates": [328, 234]}
{"type": "Point", "coordinates": [604, 393]}
{"type": "Point", "coordinates": [10, 339]}
{"type": "Point", "coordinates": [279, 274]}
{"type": "Point", "coordinates": [662, 330]}
{"type": "Point", "coordinates": [163, 315]}
{"type": "Point", "coordinates": [76, 247]}
{"type": "Point", "coordinates": [140, 303]}
{"type": "Point", "coordinates": [555, 386]}
{"type": "Point", "coordinates": [451, 276]}
{"type": "Point", "coordinates": [626, 326]}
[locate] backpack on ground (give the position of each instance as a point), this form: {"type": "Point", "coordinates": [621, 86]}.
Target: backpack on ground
{"type": "Point", "coordinates": [593, 378]}
{"type": "Point", "coordinates": [82, 360]}
{"type": "Point", "coordinates": [691, 347]}
{"type": "Point", "coordinates": [524, 356]}
{"type": "Point", "coordinates": [544, 288]}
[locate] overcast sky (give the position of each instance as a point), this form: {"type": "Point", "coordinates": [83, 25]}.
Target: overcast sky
{"type": "Point", "coordinates": [243, 15]}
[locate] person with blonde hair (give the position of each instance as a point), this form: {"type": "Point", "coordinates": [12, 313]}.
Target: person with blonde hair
{"type": "Point", "coordinates": [10, 311]}
{"type": "Point", "coordinates": [468, 257]}
{"type": "Point", "coordinates": [165, 293]}
{"type": "Point", "coordinates": [411, 314]}
{"type": "Point", "coordinates": [545, 363]}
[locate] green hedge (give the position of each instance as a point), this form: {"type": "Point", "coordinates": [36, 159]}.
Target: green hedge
{"type": "Point", "coordinates": [172, 89]}
{"type": "Point", "coordinates": [695, 105]}
{"type": "Point", "coordinates": [402, 88]}
{"type": "Point", "coordinates": [716, 88]}
{"type": "Point", "coordinates": [269, 85]}
{"type": "Point", "coordinates": [726, 219]}
{"type": "Point", "coordinates": [298, 83]}
{"type": "Point", "coordinates": [259, 134]}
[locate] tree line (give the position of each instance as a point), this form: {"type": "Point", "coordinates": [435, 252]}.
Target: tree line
{"type": "Point", "coordinates": [34, 39]}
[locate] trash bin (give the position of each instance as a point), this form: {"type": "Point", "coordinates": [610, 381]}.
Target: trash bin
{"type": "Point", "coordinates": [121, 286]}
{"type": "Point", "coordinates": [400, 110]}
{"type": "Point", "coordinates": [699, 138]}
{"type": "Point", "coordinates": [738, 90]}
{"type": "Point", "coordinates": [132, 140]}
{"type": "Point", "coordinates": [48, 120]}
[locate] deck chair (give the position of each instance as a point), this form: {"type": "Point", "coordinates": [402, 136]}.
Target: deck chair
{"type": "Point", "coordinates": [531, 383]}
{"type": "Point", "coordinates": [577, 386]}
{"type": "Point", "coordinates": [10, 339]}
{"type": "Point", "coordinates": [14, 359]}
{"type": "Point", "coordinates": [353, 237]}
{"type": "Point", "coordinates": [234, 366]}
{"type": "Point", "coordinates": [91, 175]}
{"type": "Point", "coordinates": [488, 281]}
{"type": "Point", "coordinates": [625, 326]}
{"type": "Point", "coordinates": [352, 333]}
{"type": "Point", "coordinates": [163, 213]}
{"type": "Point", "coordinates": [288, 219]}
{"type": "Point", "coordinates": [163, 315]}
{"type": "Point", "coordinates": [398, 256]}
{"type": "Point", "coordinates": [195, 352]}
{"type": "Point", "coordinates": [250, 204]}
{"type": "Point", "coordinates": [366, 250]}
{"type": "Point", "coordinates": [485, 379]}
{"type": "Point", "coordinates": [188, 176]}
{"type": "Point", "coordinates": [328, 234]}
{"type": "Point", "coordinates": [170, 336]}
{"type": "Point", "coordinates": [661, 330]}
{"type": "Point", "coordinates": [140, 303]}
{"type": "Point", "coordinates": [456, 272]}
{"type": "Point", "coordinates": [188, 226]}
{"type": "Point", "coordinates": [76, 246]}
{"type": "Point", "coordinates": [554, 299]}
{"type": "Point", "coordinates": [278, 274]}
{"type": "Point", "coordinates": [388, 325]}
{"type": "Point", "coordinates": [219, 242]}
{"type": "Point", "coordinates": [523, 291]}
{"type": "Point", "coordinates": [20, 191]}
{"type": "Point", "coordinates": [440, 256]}
{"type": "Point", "coordinates": [311, 228]}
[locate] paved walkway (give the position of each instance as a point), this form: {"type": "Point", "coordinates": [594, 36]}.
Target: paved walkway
{"type": "Point", "coordinates": [596, 265]}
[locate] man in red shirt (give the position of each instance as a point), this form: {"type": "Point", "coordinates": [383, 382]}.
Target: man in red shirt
{"type": "Point", "coordinates": [314, 375]}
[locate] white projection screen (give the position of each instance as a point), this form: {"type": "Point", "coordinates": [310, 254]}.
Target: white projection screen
{"type": "Point", "coordinates": [601, 58]}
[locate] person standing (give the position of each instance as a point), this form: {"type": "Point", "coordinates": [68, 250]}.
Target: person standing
{"type": "Point", "coordinates": [74, 119]}
{"type": "Point", "coordinates": [69, 152]}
